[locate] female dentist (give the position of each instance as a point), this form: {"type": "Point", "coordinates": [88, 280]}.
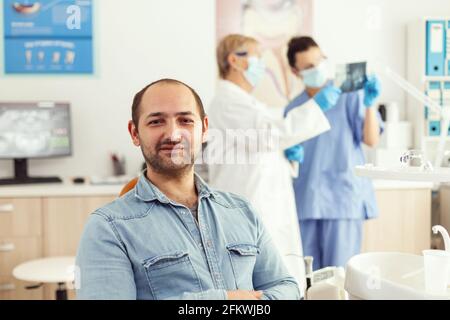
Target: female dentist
{"type": "Point", "coordinates": [259, 171]}
{"type": "Point", "coordinates": [332, 202]}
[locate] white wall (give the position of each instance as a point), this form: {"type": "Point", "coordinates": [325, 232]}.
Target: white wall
{"type": "Point", "coordinates": [373, 30]}
{"type": "Point", "coordinates": [137, 41]}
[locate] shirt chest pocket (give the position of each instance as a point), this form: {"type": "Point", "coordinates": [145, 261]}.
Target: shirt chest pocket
{"type": "Point", "coordinates": [243, 259]}
{"type": "Point", "coordinates": [170, 275]}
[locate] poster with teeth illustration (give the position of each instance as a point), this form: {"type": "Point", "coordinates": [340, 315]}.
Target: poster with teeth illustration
{"type": "Point", "coordinates": [48, 36]}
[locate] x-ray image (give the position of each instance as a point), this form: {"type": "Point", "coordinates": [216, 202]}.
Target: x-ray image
{"type": "Point", "coordinates": [27, 131]}
{"type": "Point", "coordinates": [350, 77]}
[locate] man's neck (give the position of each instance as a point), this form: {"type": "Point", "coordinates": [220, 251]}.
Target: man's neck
{"type": "Point", "coordinates": [180, 189]}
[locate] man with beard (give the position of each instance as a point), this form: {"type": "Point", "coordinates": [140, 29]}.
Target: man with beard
{"type": "Point", "coordinates": [172, 236]}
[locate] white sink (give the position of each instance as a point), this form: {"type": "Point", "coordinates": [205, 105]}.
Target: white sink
{"type": "Point", "coordinates": [387, 276]}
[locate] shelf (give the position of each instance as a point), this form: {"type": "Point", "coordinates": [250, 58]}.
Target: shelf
{"type": "Point", "coordinates": [436, 78]}
{"type": "Point", "coordinates": [436, 139]}
{"type": "Point", "coordinates": [438, 175]}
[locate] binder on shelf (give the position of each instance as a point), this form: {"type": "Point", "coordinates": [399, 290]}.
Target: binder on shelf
{"type": "Point", "coordinates": [436, 48]}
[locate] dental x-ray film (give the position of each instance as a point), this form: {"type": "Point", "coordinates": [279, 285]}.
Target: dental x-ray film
{"type": "Point", "coordinates": [350, 77]}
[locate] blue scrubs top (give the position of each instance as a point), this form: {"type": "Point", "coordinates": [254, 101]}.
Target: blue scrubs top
{"type": "Point", "coordinates": [327, 187]}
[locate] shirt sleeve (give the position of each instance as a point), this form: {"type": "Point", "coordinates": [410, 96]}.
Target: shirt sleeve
{"type": "Point", "coordinates": [105, 271]}
{"type": "Point", "coordinates": [300, 124]}
{"type": "Point", "coordinates": [270, 275]}
{"type": "Point", "coordinates": [356, 113]}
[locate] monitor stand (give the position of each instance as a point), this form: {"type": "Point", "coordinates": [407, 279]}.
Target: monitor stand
{"type": "Point", "coordinates": [21, 175]}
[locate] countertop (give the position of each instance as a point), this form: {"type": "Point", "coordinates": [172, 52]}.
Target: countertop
{"type": "Point", "coordinates": [395, 185]}
{"type": "Point", "coordinates": [68, 189]}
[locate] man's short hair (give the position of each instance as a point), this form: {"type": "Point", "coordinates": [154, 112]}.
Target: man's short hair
{"type": "Point", "coordinates": [138, 99]}
{"type": "Point", "coordinates": [298, 45]}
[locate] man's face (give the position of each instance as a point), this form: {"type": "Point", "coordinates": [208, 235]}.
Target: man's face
{"type": "Point", "coordinates": [308, 59]}
{"type": "Point", "coordinates": [170, 130]}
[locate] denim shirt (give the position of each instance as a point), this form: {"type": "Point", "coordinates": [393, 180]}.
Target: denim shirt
{"type": "Point", "coordinates": [145, 246]}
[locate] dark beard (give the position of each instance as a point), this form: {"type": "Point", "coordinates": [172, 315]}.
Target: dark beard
{"type": "Point", "coordinates": [165, 166]}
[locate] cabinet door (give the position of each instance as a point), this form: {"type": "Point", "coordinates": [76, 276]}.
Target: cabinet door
{"type": "Point", "coordinates": [404, 223]}
{"type": "Point", "coordinates": [64, 220]}
{"type": "Point", "coordinates": [14, 251]}
{"type": "Point", "coordinates": [20, 241]}
{"type": "Point", "coordinates": [12, 289]}
{"type": "Point", "coordinates": [20, 217]}
{"type": "Point", "coordinates": [444, 196]}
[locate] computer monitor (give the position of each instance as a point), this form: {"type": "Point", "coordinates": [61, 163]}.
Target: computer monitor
{"type": "Point", "coordinates": [33, 131]}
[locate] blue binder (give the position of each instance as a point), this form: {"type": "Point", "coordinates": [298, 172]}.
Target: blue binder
{"type": "Point", "coordinates": [436, 47]}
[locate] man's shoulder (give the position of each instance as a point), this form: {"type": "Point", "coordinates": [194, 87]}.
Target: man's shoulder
{"type": "Point", "coordinates": [125, 207]}
{"type": "Point", "coordinates": [236, 203]}
{"type": "Point", "coordinates": [130, 207]}
{"type": "Point", "coordinates": [229, 200]}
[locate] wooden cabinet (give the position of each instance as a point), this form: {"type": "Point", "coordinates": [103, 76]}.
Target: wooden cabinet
{"type": "Point", "coordinates": [444, 200]}
{"type": "Point", "coordinates": [64, 220]}
{"type": "Point", "coordinates": [404, 223]}
{"type": "Point", "coordinates": [20, 241]}
{"type": "Point", "coordinates": [14, 251]}
{"type": "Point", "coordinates": [32, 228]}
{"type": "Point", "coordinates": [20, 217]}
{"type": "Point", "coordinates": [13, 289]}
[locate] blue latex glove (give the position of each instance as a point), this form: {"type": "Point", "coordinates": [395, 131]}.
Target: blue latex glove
{"type": "Point", "coordinates": [328, 97]}
{"type": "Point", "coordinates": [295, 153]}
{"type": "Point", "coordinates": [372, 89]}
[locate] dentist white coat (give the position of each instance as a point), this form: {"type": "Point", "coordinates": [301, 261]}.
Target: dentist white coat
{"type": "Point", "coordinates": [266, 182]}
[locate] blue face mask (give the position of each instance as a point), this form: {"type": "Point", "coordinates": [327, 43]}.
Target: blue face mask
{"type": "Point", "coordinates": [315, 77]}
{"type": "Point", "coordinates": [255, 71]}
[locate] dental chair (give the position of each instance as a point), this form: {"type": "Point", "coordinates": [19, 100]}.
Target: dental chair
{"type": "Point", "coordinates": [129, 186]}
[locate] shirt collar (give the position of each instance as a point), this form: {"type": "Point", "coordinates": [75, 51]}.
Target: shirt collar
{"type": "Point", "coordinates": [146, 191]}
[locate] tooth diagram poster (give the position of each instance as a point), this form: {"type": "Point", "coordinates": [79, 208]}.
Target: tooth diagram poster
{"type": "Point", "coordinates": [48, 37]}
